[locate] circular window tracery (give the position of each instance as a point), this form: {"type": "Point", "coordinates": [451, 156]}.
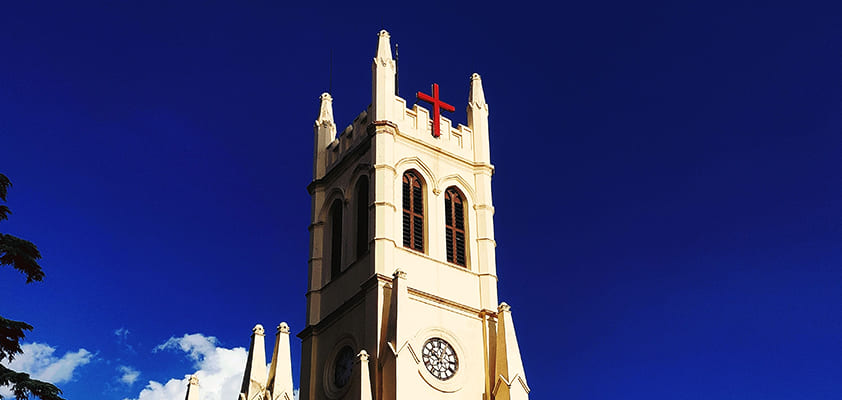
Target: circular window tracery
{"type": "Point", "coordinates": [343, 366]}
{"type": "Point", "coordinates": [439, 358]}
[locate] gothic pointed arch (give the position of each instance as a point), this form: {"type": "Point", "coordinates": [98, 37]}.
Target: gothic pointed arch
{"type": "Point", "coordinates": [335, 237]}
{"type": "Point", "coordinates": [420, 167]}
{"type": "Point", "coordinates": [330, 196]}
{"type": "Point", "coordinates": [454, 221]}
{"type": "Point", "coordinates": [459, 182]}
{"type": "Point", "coordinates": [361, 202]}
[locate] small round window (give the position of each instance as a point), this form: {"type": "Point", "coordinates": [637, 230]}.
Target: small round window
{"type": "Point", "coordinates": [440, 359]}
{"type": "Point", "coordinates": [343, 366]}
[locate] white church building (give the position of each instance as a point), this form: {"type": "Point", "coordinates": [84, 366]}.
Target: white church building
{"type": "Point", "coordinates": [402, 294]}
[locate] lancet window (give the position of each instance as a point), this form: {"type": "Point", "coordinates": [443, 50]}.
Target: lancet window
{"type": "Point", "coordinates": [454, 221]}
{"type": "Point", "coordinates": [362, 216]}
{"type": "Point", "coordinates": [335, 238]}
{"type": "Point", "coordinates": [413, 211]}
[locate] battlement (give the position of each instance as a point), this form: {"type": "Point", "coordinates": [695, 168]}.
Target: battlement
{"type": "Point", "coordinates": [347, 139]}
{"type": "Point", "coordinates": [414, 123]}
{"type": "Point", "coordinates": [465, 143]}
{"type": "Point", "coordinates": [417, 123]}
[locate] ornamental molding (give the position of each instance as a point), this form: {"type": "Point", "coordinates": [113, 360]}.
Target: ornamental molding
{"type": "Point", "coordinates": [331, 390]}
{"type": "Point", "coordinates": [459, 182]}
{"type": "Point", "coordinates": [503, 381]}
{"type": "Point", "coordinates": [414, 162]}
{"type": "Point", "coordinates": [467, 361]}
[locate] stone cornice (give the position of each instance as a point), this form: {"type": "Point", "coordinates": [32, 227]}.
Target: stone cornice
{"type": "Point", "coordinates": [337, 168]}
{"type": "Point", "coordinates": [474, 312]}
{"type": "Point", "coordinates": [352, 302]}
{"type": "Point", "coordinates": [479, 167]}
{"type": "Point", "coordinates": [363, 145]}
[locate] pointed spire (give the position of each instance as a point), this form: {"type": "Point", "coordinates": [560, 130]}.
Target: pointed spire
{"type": "Point", "coordinates": [478, 121]}
{"type": "Point", "coordinates": [325, 134]}
{"type": "Point", "coordinates": [254, 376]}
{"type": "Point", "coordinates": [192, 388]}
{"type": "Point", "coordinates": [400, 297]}
{"type": "Point", "coordinates": [365, 380]}
{"type": "Point", "coordinates": [383, 72]}
{"type": "Point", "coordinates": [384, 47]}
{"type": "Point", "coordinates": [325, 110]}
{"type": "Point", "coordinates": [476, 97]}
{"type": "Point", "coordinates": [279, 384]}
{"type": "Point", "coordinates": [510, 378]}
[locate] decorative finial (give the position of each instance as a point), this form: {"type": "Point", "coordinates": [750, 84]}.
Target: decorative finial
{"type": "Point", "coordinates": [193, 379]}
{"type": "Point", "coordinates": [325, 110]}
{"type": "Point", "coordinates": [283, 328]}
{"type": "Point", "coordinates": [399, 274]}
{"type": "Point", "coordinates": [363, 355]}
{"type": "Point", "coordinates": [504, 308]}
{"type": "Point", "coordinates": [476, 97]}
{"type": "Point", "coordinates": [258, 330]}
{"type": "Point", "coordinates": [384, 48]}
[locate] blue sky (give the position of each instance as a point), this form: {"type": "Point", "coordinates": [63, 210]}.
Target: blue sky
{"type": "Point", "coordinates": [682, 240]}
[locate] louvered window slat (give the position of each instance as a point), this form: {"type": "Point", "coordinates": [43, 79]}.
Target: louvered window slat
{"type": "Point", "coordinates": [418, 234]}
{"type": "Point", "coordinates": [362, 217]}
{"type": "Point", "coordinates": [335, 238]}
{"type": "Point", "coordinates": [407, 231]}
{"type": "Point", "coordinates": [455, 226]}
{"type": "Point", "coordinates": [417, 200]}
{"type": "Point", "coordinates": [449, 243]}
{"type": "Point", "coordinates": [460, 248]}
{"type": "Point", "coordinates": [413, 211]}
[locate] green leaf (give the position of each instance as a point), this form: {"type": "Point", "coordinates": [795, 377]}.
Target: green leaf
{"type": "Point", "coordinates": [22, 255]}
{"type": "Point", "coordinates": [5, 184]}
{"type": "Point", "coordinates": [23, 386]}
{"type": "Point", "coordinates": [11, 333]}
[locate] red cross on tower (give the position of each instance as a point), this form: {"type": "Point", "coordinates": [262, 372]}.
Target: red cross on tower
{"type": "Point", "coordinates": [437, 104]}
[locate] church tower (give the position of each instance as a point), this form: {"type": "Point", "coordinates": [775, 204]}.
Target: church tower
{"type": "Point", "coordinates": [402, 293]}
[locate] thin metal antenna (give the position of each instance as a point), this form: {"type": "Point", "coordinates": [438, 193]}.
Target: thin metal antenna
{"type": "Point", "coordinates": [396, 70]}
{"type": "Point", "coordinates": [330, 73]}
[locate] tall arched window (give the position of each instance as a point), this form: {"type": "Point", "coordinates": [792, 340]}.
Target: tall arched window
{"type": "Point", "coordinates": [362, 216]}
{"type": "Point", "coordinates": [454, 221]}
{"type": "Point", "coordinates": [335, 238]}
{"type": "Point", "coordinates": [413, 211]}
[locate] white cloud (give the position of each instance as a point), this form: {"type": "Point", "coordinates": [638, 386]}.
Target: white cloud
{"type": "Point", "coordinates": [129, 376]}
{"type": "Point", "coordinates": [123, 338]}
{"type": "Point", "coordinates": [39, 362]}
{"type": "Point", "coordinates": [121, 333]}
{"type": "Point", "coordinates": [220, 370]}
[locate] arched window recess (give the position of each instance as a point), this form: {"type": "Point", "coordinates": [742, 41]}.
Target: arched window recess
{"type": "Point", "coordinates": [413, 211]}
{"type": "Point", "coordinates": [361, 200]}
{"type": "Point", "coordinates": [454, 221]}
{"type": "Point", "coordinates": [335, 218]}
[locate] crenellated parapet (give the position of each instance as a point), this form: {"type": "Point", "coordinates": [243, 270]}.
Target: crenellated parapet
{"type": "Point", "coordinates": [468, 143]}
{"type": "Point", "coordinates": [413, 123]}
{"type": "Point", "coordinates": [416, 123]}
{"type": "Point", "coordinates": [352, 135]}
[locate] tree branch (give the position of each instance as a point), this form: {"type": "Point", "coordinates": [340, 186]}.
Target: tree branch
{"type": "Point", "coordinates": [23, 386]}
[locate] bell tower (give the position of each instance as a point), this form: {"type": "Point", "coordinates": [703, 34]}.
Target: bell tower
{"type": "Point", "coordinates": [402, 292]}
